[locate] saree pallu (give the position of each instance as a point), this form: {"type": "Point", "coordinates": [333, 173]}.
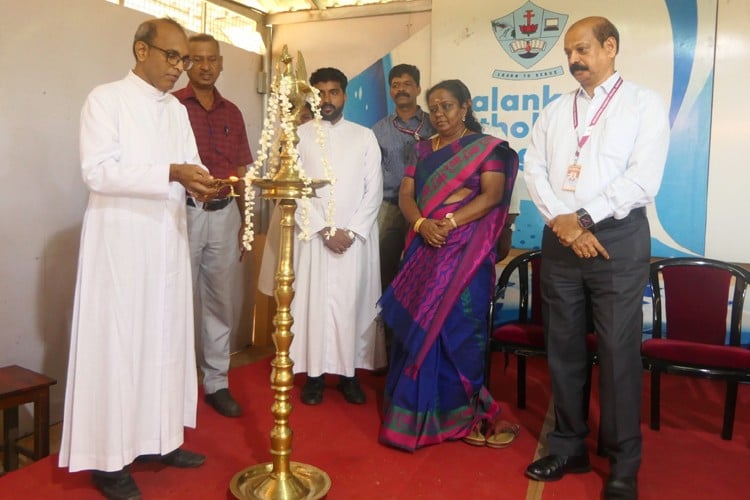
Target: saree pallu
{"type": "Point", "coordinates": [437, 305]}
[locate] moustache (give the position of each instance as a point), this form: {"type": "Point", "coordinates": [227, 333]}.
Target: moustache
{"type": "Point", "coordinates": [402, 94]}
{"type": "Point", "coordinates": [578, 67]}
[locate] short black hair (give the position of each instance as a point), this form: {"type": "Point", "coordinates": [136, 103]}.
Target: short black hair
{"type": "Point", "coordinates": [404, 69]}
{"type": "Point", "coordinates": [329, 75]}
{"type": "Point", "coordinates": [205, 37]}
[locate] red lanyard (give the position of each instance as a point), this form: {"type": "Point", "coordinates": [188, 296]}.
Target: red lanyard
{"type": "Point", "coordinates": [587, 132]}
{"type": "Point", "coordinates": [415, 132]}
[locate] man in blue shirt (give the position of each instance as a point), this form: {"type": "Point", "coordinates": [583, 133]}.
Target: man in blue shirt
{"type": "Point", "coordinates": [397, 133]}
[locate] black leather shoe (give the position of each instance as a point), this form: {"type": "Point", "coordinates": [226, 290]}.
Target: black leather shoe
{"type": "Point", "coordinates": [312, 391]}
{"type": "Point", "coordinates": [624, 488]}
{"type": "Point", "coordinates": [224, 403]}
{"type": "Point", "coordinates": [350, 388]}
{"type": "Point", "coordinates": [554, 467]}
{"type": "Point", "coordinates": [183, 459]}
{"type": "Point", "coordinates": [117, 485]}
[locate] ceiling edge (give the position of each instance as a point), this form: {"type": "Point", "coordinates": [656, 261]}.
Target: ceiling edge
{"type": "Point", "coordinates": [338, 13]}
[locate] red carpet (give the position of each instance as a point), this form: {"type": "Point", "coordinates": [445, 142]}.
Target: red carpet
{"type": "Point", "coordinates": [686, 459]}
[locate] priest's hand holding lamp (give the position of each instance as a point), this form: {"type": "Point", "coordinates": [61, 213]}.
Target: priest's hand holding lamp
{"type": "Point", "coordinates": [197, 181]}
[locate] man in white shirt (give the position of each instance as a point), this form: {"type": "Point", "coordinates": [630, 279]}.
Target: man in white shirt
{"type": "Point", "coordinates": [132, 382]}
{"type": "Point", "coordinates": [595, 161]}
{"type": "Point", "coordinates": [337, 277]}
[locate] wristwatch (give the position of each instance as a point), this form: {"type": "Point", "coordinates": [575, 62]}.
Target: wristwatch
{"type": "Point", "coordinates": [584, 219]}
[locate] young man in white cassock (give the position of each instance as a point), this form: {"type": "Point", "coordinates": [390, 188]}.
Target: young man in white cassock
{"type": "Point", "coordinates": [337, 277]}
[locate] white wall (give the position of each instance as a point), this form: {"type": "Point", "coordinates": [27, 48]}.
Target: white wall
{"type": "Point", "coordinates": [350, 45]}
{"type": "Point", "coordinates": [728, 229]}
{"type": "Point", "coordinates": [53, 54]}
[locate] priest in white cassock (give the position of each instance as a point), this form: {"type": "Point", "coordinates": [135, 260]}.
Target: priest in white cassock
{"type": "Point", "coordinates": [337, 278]}
{"type": "Point", "coordinates": [132, 380]}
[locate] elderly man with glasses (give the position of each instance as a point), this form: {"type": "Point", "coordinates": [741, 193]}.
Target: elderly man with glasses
{"type": "Point", "coordinates": [132, 383]}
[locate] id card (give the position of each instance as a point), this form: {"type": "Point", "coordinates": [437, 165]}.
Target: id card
{"type": "Point", "coordinates": [571, 178]}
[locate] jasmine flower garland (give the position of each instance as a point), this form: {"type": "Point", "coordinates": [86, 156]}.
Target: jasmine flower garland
{"type": "Point", "coordinates": [279, 112]}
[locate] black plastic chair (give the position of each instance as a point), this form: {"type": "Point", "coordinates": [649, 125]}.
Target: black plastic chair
{"type": "Point", "coordinates": [690, 327]}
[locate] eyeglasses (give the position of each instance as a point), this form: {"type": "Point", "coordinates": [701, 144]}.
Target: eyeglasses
{"type": "Point", "coordinates": [174, 57]}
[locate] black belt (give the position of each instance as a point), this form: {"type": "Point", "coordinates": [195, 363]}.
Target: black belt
{"type": "Point", "coordinates": [213, 205]}
{"type": "Point", "coordinates": [636, 213]}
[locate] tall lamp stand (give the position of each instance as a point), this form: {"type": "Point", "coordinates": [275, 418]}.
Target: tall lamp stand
{"type": "Point", "coordinates": [282, 479]}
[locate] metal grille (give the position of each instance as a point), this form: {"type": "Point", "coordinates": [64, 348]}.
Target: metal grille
{"type": "Point", "coordinates": [200, 16]}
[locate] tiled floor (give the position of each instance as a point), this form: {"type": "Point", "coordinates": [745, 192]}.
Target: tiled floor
{"type": "Point", "coordinates": [241, 358]}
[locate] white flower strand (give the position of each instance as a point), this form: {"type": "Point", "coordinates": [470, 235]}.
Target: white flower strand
{"type": "Point", "coordinates": [266, 139]}
{"type": "Point", "coordinates": [314, 100]}
{"type": "Point", "coordinates": [279, 113]}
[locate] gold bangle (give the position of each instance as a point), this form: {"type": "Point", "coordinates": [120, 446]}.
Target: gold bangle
{"type": "Point", "coordinates": [449, 216]}
{"type": "Point", "coordinates": [418, 224]}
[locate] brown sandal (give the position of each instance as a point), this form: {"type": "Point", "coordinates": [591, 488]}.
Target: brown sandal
{"type": "Point", "coordinates": [475, 437]}
{"type": "Point", "coordinates": [502, 434]}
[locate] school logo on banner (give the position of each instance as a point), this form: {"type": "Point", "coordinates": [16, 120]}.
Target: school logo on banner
{"type": "Point", "coordinates": [527, 35]}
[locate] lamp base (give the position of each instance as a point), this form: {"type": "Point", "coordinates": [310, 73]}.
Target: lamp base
{"type": "Point", "coordinates": [303, 481]}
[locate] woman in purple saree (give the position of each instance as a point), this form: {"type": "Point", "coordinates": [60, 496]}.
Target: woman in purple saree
{"type": "Point", "coordinates": [456, 198]}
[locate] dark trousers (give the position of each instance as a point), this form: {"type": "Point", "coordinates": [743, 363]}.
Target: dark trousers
{"type": "Point", "coordinates": [392, 227]}
{"type": "Point", "coordinates": [615, 290]}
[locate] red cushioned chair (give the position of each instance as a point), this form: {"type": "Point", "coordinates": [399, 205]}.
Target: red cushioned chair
{"type": "Point", "coordinates": [690, 327]}
{"type": "Point", "coordinates": [524, 336]}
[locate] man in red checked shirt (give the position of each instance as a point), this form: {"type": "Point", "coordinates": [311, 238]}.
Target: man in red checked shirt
{"type": "Point", "coordinates": [214, 228]}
